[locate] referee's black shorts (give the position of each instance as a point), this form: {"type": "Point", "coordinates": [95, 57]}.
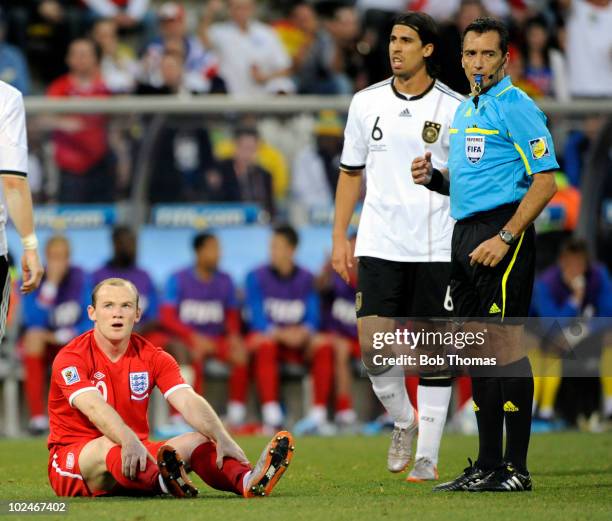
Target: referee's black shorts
{"type": "Point", "coordinates": [403, 289]}
{"type": "Point", "coordinates": [481, 291]}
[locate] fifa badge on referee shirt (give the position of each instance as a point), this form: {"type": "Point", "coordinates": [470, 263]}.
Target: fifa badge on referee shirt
{"type": "Point", "coordinates": [358, 301]}
{"type": "Point", "coordinates": [431, 131]}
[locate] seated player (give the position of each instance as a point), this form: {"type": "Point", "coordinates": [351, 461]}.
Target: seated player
{"type": "Point", "coordinates": [576, 288]}
{"type": "Point", "coordinates": [123, 265]}
{"type": "Point", "coordinates": [283, 310]}
{"type": "Point", "coordinates": [100, 388]}
{"type": "Point", "coordinates": [339, 331]}
{"type": "Point", "coordinates": [200, 312]}
{"type": "Point", "coordinates": [52, 315]}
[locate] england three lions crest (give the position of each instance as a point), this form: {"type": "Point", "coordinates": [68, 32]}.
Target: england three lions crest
{"type": "Point", "coordinates": [139, 382]}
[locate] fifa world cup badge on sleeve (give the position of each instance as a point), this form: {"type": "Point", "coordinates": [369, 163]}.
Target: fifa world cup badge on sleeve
{"type": "Point", "coordinates": [431, 131]}
{"type": "Point", "coordinates": [539, 148]}
{"type": "Point", "coordinates": [71, 375]}
{"type": "Point", "coordinates": [139, 384]}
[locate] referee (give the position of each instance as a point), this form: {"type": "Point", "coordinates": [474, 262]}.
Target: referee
{"type": "Point", "coordinates": [403, 241]}
{"type": "Point", "coordinates": [501, 166]}
{"type": "Point", "coordinates": [13, 171]}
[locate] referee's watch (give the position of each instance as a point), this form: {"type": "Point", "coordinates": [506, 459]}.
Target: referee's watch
{"type": "Point", "coordinates": [507, 237]}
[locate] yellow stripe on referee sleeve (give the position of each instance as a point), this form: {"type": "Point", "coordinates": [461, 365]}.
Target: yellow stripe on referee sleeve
{"type": "Point", "coordinates": [476, 130]}
{"type": "Point", "coordinates": [453, 130]}
{"type": "Point", "coordinates": [523, 157]}
{"type": "Point", "coordinates": [507, 274]}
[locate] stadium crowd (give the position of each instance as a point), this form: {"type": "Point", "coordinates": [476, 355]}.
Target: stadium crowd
{"type": "Point", "coordinates": [243, 47]}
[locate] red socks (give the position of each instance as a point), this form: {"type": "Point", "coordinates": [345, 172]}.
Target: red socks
{"type": "Point", "coordinates": [344, 403]}
{"type": "Point", "coordinates": [464, 390]}
{"type": "Point", "coordinates": [239, 383]}
{"type": "Point", "coordinates": [227, 478]}
{"type": "Point", "coordinates": [146, 481]}
{"type": "Point", "coordinates": [35, 379]}
{"type": "Point", "coordinates": [412, 384]}
{"type": "Point", "coordinates": [266, 371]}
{"type": "Point", "coordinates": [203, 463]}
{"type": "Point", "coordinates": [322, 370]}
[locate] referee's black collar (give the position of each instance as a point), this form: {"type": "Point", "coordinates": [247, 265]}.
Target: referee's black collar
{"type": "Point", "coordinates": [411, 98]}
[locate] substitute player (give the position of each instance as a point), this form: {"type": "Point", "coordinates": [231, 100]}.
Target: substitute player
{"type": "Point", "coordinates": [403, 242]}
{"type": "Point", "coordinates": [100, 388]}
{"type": "Point", "coordinates": [283, 310]}
{"type": "Point", "coordinates": [13, 172]}
{"type": "Point", "coordinates": [200, 311]}
{"type": "Point", "coordinates": [501, 168]}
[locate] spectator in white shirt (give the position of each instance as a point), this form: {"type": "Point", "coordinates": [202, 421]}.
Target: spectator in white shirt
{"type": "Point", "coordinates": [252, 58]}
{"type": "Point", "coordinates": [589, 48]}
{"type": "Point", "coordinates": [118, 64]}
{"type": "Point", "coordinates": [129, 15]}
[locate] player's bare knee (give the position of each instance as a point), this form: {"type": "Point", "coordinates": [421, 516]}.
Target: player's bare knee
{"type": "Point", "coordinates": [342, 352]}
{"type": "Point", "coordinates": [34, 342]}
{"type": "Point", "coordinates": [239, 357]}
{"type": "Point", "coordinates": [186, 443]}
{"type": "Point", "coordinates": [92, 459]}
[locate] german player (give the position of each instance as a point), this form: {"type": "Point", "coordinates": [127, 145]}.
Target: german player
{"type": "Point", "coordinates": [403, 241]}
{"type": "Point", "coordinates": [16, 192]}
{"type": "Point", "coordinates": [100, 388]}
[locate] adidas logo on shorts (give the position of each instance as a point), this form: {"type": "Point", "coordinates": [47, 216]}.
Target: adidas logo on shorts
{"type": "Point", "coordinates": [510, 407]}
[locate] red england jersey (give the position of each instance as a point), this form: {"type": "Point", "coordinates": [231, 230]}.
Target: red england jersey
{"type": "Point", "coordinates": [126, 385]}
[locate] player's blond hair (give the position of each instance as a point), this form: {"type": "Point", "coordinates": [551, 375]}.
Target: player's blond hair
{"type": "Point", "coordinates": [117, 282]}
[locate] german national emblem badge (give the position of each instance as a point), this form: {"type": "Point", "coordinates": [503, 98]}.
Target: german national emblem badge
{"type": "Point", "coordinates": [431, 131]}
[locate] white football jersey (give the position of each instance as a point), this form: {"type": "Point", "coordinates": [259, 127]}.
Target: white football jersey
{"type": "Point", "coordinates": [13, 143]}
{"type": "Point", "coordinates": [385, 131]}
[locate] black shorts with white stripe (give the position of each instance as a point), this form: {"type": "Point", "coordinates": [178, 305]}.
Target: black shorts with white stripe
{"type": "Point", "coordinates": [5, 293]}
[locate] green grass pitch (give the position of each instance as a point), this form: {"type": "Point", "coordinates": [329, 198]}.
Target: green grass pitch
{"type": "Point", "coordinates": [345, 478]}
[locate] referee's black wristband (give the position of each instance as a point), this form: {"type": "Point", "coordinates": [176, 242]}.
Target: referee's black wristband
{"type": "Point", "coordinates": [438, 183]}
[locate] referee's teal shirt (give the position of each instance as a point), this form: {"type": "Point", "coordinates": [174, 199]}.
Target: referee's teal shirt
{"type": "Point", "coordinates": [495, 148]}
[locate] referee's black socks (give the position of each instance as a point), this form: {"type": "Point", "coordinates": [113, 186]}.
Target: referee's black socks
{"type": "Point", "coordinates": [517, 392]}
{"type": "Point", "coordinates": [509, 396]}
{"type": "Point", "coordinates": [488, 405]}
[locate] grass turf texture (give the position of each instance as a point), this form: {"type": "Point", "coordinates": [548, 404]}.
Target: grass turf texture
{"type": "Point", "coordinates": [345, 478]}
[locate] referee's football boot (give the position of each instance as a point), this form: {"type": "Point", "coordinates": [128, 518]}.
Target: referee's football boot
{"type": "Point", "coordinates": [400, 449]}
{"type": "Point", "coordinates": [172, 472]}
{"type": "Point", "coordinates": [470, 476]}
{"type": "Point", "coordinates": [504, 479]}
{"type": "Point", "coordinates": [271, 465]}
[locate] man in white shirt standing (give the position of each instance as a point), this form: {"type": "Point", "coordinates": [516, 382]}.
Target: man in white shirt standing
{"type": "Point", "coordinates": [253, 60]}
{"type": "Point", "coordinates": [13, 172]}
{"type": "Point", "coordinates": [588, 34]}
{"type": "Point", "coordinates": [404, 236]}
